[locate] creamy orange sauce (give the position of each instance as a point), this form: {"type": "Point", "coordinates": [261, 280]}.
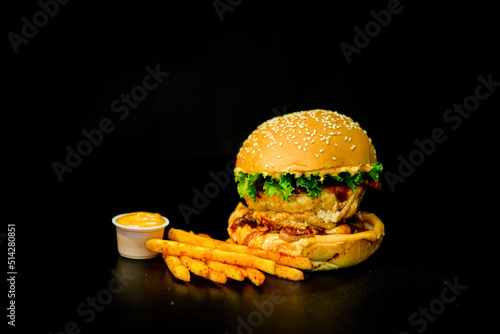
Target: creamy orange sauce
{"type": "Point", "coordinates": [141, 219]}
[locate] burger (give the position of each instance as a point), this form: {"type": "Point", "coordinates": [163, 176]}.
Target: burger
{"type": "Point", "coordinates": [302, 177]}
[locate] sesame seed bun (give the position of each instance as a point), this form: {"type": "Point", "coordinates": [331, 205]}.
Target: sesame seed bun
{"type": "Point", "coordinates": [311, 142]}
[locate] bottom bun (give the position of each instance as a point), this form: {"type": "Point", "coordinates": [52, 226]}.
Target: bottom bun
{"type": "Point", "coordinates": [327, 252]}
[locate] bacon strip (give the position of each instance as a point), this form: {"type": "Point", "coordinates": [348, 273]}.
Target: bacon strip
{"type": "Point", "coordinates": [372, 183]}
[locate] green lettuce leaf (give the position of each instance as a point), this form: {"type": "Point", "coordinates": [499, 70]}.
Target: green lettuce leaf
{"type": "Point", "coordinates": [311, 184]}
{"type": "Point", "coordinates": [375, 172]}
{"type": "Point", "coordinates": [282, 187]}
{"type": "Point", "coordinates": [247, 183]}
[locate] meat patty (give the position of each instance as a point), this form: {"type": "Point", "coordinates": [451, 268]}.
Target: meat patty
{"type": "Point", "coordinates": [337, 202]}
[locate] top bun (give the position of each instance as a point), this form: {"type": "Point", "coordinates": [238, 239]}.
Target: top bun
{"type": "Point", "coordinates": [307, 142]}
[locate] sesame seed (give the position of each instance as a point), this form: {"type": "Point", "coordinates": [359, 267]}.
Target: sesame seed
{"type": "Point", "coordinates": [279, 156]}
{"type": "Point", "coordinates": [334, 158]}
{"type": "Point", "coordinates": [299, 147]}
{"type": "Point", "coordinates": [321, 151]}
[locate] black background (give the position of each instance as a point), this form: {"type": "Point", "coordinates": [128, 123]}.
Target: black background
{"type": "Point", "coordinates": [225, 78]}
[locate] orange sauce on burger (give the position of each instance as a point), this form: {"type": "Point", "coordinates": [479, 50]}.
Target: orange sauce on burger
{"type": "Point", "coordinates": [141, 219]}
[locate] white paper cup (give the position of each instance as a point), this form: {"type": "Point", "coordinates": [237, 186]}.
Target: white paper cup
{"type": "Point", "coordinates": [131, 240]}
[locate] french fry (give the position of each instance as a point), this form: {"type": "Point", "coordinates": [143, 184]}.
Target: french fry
{"type": "Point", "coordinates": [299, 262]}
{"type": "Point", "coordinates": [255, 276]}
{"type": "Point", "coordinates": [217, 277]}
{"type": "Point", "coordinates": [282, 271]}
{"type": "Point", "coordinates": [175, 248]}
{"type": "Point", "coordinates": [231, 271]}
{"type": "Point", "coordinates": [177, 269]}
{"type": "Point", "coordinates": [199, 268]}
{"type": "Point", "coordinates": [289, 273]}
{"type": "Point", "coordinates": [195, 266]}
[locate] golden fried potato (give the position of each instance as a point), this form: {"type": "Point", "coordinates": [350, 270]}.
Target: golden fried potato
{"type": "Point", "coordinates": [175, 248]}
{"type": "Point", "coordinates": [177, 269]}
{"type": "Point", "coordinates": [255, 276]}
{"type": "Point", "coordinates": [299, 262]}
{"type": "Point", "coordinates": [289, 273]}
{"type": "Point", "coordinates": [199, 268]}
{"type": "Point", "coordinates": [231, 271]}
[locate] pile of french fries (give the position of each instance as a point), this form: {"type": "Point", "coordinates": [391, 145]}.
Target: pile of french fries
{"type": "Point", "coordinates": [218, 260]}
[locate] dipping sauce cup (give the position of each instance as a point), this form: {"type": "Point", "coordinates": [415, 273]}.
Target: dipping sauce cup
{"type": "Point", "coordinates": [134, 229]}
